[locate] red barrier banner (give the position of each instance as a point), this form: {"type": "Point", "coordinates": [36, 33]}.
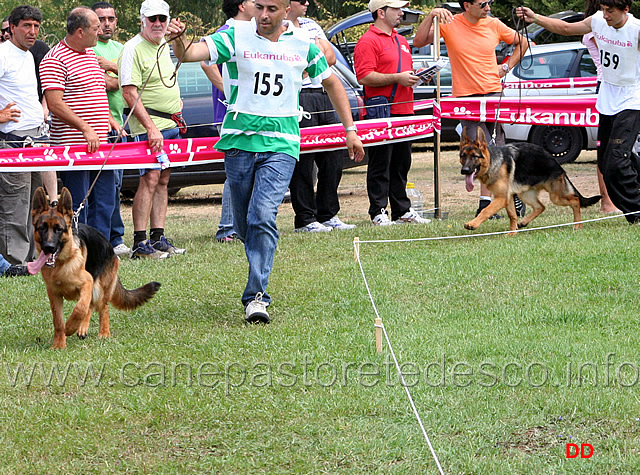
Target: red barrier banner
{"type": "Point", "coordinates": [543, 84]}
{"type": "Point", "coordinates": [551, 110]}
{"type": "Point", "coordinates": [199, 151]}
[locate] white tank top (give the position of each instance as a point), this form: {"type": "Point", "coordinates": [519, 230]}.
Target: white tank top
{"type": "Point", "coordinates": [269, 73]}
{"type": "Point", "coordinates": [619, 57]}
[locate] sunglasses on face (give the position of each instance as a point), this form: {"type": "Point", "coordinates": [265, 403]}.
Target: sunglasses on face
{"type": "Point", "coordinates": [160, 18]}
{"type": "Point", "coordinates": [6, 30]}
{"type": "Point", "coordinates": [484, 4]}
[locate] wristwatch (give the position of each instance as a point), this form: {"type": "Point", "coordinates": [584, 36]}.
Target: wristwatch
{"type": "Point", "coordinates": [350, 128]}
{"type": "Point", "coordinates": [505, 67]}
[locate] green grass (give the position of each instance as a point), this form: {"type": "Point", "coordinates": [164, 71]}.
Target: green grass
{"type": "Point", "coordinates": [183, 385]}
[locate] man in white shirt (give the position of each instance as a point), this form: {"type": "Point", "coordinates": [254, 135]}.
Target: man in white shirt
{"type": "Point", "coordinates": [617, 34]}
{"type": "Point", "coordinates": [21, 124]}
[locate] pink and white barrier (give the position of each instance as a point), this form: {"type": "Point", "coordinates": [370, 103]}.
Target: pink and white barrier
{"type": "Point", "coordinates": [553, 110]}
{"type": "Point", "coordinates": [200, 151]}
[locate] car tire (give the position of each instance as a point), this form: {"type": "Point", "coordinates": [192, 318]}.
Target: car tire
{"type": "Point", "coordinates": [564, 143]}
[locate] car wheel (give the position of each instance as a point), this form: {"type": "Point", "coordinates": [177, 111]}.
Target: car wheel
{"type": "Point", "coordinates": [564, 143]}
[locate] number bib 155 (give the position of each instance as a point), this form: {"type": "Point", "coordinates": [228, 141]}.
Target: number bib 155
{"type": "Point", "coordinates": [269, 73]}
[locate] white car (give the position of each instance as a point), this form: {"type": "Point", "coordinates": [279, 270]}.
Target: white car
{"type": "Point", "coordinates": [554, 61]}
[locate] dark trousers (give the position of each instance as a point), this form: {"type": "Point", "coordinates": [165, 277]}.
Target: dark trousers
{"type": "Point", "coordinates": [618, 164]}
{"type": "Point", "coordinates": [322, 205]}
{"type": "Point", "coordinates": [387, 178]}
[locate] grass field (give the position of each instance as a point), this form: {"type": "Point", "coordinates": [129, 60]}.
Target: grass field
{"type": "Point", "coordinates": [512, 348]}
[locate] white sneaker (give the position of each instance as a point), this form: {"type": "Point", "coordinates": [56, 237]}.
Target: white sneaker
{"type": "Point", "coordinates": [256, 310]}
{"type": "Point", "coordinates": [382, 219]}
{"type": "Point", "coordinates": [412, 217]}
{"type": "Point", "coordinates": [314, 227]}
{"type": "Point", "coordinates": [336, 223]}
{"type": "Point", "coordinates": [121, 249]}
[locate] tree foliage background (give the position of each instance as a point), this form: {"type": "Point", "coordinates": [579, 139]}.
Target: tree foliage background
{"type": "Point", "coordinates": [206, 16]}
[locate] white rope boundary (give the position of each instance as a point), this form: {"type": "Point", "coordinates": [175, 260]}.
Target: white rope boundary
{"type": "Point", "coordinates": [395, 360]}
{"type": "Point", "coordinates": [356, 245]}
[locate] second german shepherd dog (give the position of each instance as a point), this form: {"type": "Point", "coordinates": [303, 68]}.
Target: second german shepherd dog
{"type": "Point", "coordinates": [78, 266]}
{"type": "Point", "coordinates": [519, 168]}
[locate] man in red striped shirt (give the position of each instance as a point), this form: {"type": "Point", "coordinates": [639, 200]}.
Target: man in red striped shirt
{"type": "Point", "coordinates": [76, 94]}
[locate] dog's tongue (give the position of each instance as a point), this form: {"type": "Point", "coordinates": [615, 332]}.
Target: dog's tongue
{"type": "Point", "coordinates": [468, 180]}
{"type": "Point", "coordinates": [35, 266]}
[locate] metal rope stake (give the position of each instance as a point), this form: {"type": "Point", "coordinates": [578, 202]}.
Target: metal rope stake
{"type": "Point", "coordinates": [436, 135]}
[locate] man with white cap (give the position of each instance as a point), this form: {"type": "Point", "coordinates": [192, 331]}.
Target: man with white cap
{"type": "Point", "coordinates": [384, 66]}
{"type": "Point", "coordinates": [155, 118]}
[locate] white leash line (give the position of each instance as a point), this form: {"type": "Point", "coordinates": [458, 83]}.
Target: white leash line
{"type": "Point", "coordinates": [497, 233]}
{"type": "Point", "coordinates": [395, 360]}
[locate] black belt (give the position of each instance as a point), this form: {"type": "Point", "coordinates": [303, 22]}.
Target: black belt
{"type": "Point", "coordinates": [150, 111]}
{"type": "Point", "coordinates": [20, 140]}
{"type": "Point", "coordinates": [312, 89]}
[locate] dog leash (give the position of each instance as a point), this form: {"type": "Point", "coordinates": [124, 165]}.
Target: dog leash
{"type": "Point", "coordinates": [174, 76]}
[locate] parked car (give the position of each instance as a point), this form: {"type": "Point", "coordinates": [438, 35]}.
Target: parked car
{"type": "Point", "coordinates": [541, 36]}
{"type": "Point", "coordinates": [554, 61]}
{"type": "Point", "coordinates": [195, 90]}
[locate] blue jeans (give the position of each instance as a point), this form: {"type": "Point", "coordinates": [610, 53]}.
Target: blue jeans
{"type": "Point", "coordinates": [4, 264]}
{"type": "Point", "coordinates": [225, 228]}
{"type": "Point", "coordinates": [258, 182]}
{"type": "Point", "coordinates": [117, 226]}
{"type": "Point", "coordinates": [98, 209]}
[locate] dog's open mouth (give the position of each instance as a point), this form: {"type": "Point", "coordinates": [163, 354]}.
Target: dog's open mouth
{"type": "Point", "coordinates": [468, 179]}
{"type": "Point", "coordinates": [43, 259]}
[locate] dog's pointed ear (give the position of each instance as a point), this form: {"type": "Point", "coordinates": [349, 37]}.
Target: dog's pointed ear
{"type": "Point", "coordinates": [480, 136]}
{"type": "Point", "coordinates": [40, 204]}
{"type": "Point", "coordinates": [65, 203]}
{"type": "Point", "coordinates": [464, 138]}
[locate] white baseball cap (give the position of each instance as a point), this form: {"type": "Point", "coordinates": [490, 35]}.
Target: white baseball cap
{"type": "Point", "coordinates": [154, 7]}
{"type": "Point", "coordinates": [375, 5]}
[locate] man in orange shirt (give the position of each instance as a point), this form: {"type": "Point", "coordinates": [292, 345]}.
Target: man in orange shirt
{"type": "Point", "coordinates": [471, 38]}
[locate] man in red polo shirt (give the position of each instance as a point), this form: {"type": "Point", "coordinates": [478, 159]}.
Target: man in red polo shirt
{"type": "Point", "coordinates": [384, 67]}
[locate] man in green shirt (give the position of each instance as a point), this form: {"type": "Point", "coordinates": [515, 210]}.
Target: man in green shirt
{"type": "Point", "coordinates": [260, 135]}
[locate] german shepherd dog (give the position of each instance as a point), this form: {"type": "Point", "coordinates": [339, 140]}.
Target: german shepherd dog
{"type": "Point", "coordinates": [78, 266]}
{"type": "Point", "coordinates": [519, 168]}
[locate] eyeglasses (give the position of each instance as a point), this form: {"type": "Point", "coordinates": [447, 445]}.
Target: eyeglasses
{"type": "Point", "coordinates": [483, 4]}
{"type": "Point", "coordinates": [160, 18]}
{"type": "Point", "coordinates": [6, 30]}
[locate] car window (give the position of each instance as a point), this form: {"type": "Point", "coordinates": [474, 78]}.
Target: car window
{"type": "Point", "coordinates": [587, 66]}
{"type": "Point", "coordinates": [546, 66]}
{"type": "Point", "coordinates": [193, 81]}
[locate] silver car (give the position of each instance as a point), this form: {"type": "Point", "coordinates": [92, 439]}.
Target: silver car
{"type": "Point", "coordinates": [554, 61]}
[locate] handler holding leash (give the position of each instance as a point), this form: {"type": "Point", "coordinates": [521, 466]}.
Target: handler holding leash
{"type": "Point", "coordinates": [260, 133]}
{"type": "Point", "coordinates": [617, 34]}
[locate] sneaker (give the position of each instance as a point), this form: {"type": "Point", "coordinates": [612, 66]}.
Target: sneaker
{"type": "Point", "coordinates": [144, 250]}
{"type": "Point", "coordinates": [166, 245]}
{"type": "Point", "coordinates": [482, 205]}
{"type": "Point", "coordinates": [336, 223]}
{"type": "Point", "coordinates": [521, 208]}
{"type": "Point", "coordinates": [412, 217]}
{"type": "Point", "coordinates": [256, 310]}
{"type": "Point", "coordinates": [314, 227]}
{"type": "Point", "coordinates": [382, 219]}
{"type": "Point", "coordinates": [16, 271]}
{"type": "Point", "coordinates": [231, 238]}
{"type": "Point", "coordinates": [121, 250]}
